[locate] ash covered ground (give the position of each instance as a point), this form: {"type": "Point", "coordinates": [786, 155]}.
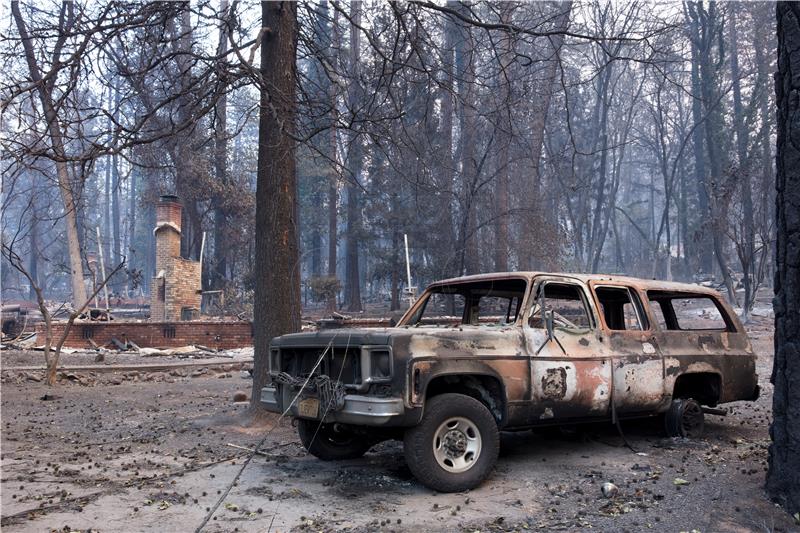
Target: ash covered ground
{"type": "Point", "coordinates": [151, 451]}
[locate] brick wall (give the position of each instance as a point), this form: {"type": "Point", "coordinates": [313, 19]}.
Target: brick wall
{"type": "Point", "coordinates": [213, 334]}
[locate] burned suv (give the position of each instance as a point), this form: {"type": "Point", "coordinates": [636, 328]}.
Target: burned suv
{"type": "Point", "coordinates": [500, 352]}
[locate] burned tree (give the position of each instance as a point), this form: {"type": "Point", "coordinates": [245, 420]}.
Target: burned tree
{"type": "Point", "coordinates": [783, 477]}
{"type": "Point", "coordinates": [277, 286]}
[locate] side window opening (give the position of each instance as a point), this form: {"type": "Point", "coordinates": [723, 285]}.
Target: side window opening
{"type": "Point", "coordinates": [688, 312]}
{"type": "Point", "coordinates": [621, 309]}
{"type": "Point", "coordinates": [568, 305]}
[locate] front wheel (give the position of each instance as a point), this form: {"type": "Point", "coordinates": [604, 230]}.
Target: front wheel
{"type": "Point", "coordinates": [331, 442]}
{"type": "Point", "coordinates": [455, 446]}
{"type": "Point", "coordinates": [685, 418]}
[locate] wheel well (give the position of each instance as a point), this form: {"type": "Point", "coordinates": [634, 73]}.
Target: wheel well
{"type": "Point", "coordinates": [486, 389]}
{"type": "Point", "coordinates": [705, 387]}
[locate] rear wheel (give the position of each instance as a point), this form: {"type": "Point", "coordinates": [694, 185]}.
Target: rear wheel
{"type": "Point", "coordinates": [685, 418]}
{"type": "Point", "coordinates": [455, 446]}
{"type": "Point", "coordinates": [331, 442]}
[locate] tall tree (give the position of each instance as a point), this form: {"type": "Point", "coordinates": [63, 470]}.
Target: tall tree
{"type": "Point", "coordinates": [355, 161]}
{"type": "Point", "coordinates": [467, 116]}
{"type": "Point", "coordinates": [504, 125]}
{"type": "Point", "coordinates": [276, 309]}
{"type": "Point", "coordinates": [221, 163]}
{"type": "Point", "coordinates": [783, 476]}
{"type": "Point", "coordinates": [47, 97]}
{"type": "Point", "coordinates": [702, 223]}
{"type": "Point", "coordinates": [533, 221]}
{"type": "Point", "coordinates": [333, 179]}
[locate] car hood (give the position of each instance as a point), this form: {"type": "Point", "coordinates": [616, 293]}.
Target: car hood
{"type": "Point", "coordinates": [422, 341]}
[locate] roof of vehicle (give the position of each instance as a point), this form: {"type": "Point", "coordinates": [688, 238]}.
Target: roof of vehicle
{"type": "Point", "coordinates": [646, 284]}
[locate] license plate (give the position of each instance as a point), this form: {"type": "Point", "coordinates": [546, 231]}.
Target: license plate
{"type": "Point", "coordinates": [308, 407]}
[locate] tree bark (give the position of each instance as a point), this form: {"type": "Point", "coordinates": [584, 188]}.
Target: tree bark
{"type": "Point", "coordinates": [783, 476]}
{"type": "Point", "coordinates": [276, 308]}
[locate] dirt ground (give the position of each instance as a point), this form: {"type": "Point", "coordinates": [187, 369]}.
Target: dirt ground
{"type": "Point", "coordinates": [155, 455]}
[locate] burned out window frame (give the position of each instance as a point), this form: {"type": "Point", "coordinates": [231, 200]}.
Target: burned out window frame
{"type": "Point", "coordinates": [588, 303]}
{"type": "Point", "coordinates": [418, 309]}
{"type": "Point", "coordinates": [669, 296]}
{"type": "Point", "coordinates": [636, 301]}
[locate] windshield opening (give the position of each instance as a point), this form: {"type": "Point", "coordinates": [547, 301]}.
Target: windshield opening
{"type": "Point", "coordinates": [482, 303]}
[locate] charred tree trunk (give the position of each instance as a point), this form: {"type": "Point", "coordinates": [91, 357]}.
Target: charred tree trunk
{"type": "Point", "coordinates": [711, 58]}
{"type": "Point", "coordinates": [747, 248]}
{"type": "Point", "coordinates": [276, 309]}
{"type": "Point", "coordinates": [116, 258]}
{"type": "Point", "coordinates": [533, 222]}
{"type": "Point", "coordinates": [763, 51]}
{"type": "Point", "coordinates": [445, 241]}
{"type": "Point", "coordinates": [701, 224]}
{"type": "Point", "coordinates": [107, 224]}
{"type": "Point", "coordinates": [395, 289]}
{"type": "Point", "coordinates": [604, 101]}
{"type": "Point", "coordinates": [465, 66]}
{"type": "Point", "coordinates": [355, 159]}
{"type": "Point", "coordinates": [220, 269]}
{"type": "Point", "coordinates": [333, 180]}
{"type": "Point", "coordinates": [333, 223]}
{"type": "Point", "coordinates": [504, 124]}
{"type": "Point", "coordinates": [783, 476]}
{"type": "Point", "coordinates": [33, 254]}
{"type": "Point", "coordinates": [181, 149]}
{"type": "Point", "coordinates": [133, 250]}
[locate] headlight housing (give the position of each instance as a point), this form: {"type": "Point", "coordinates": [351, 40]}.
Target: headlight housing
{"type": "Point", "coordinates": [274, 360]}
{"type": "Point", "coordinates": [376, 364]}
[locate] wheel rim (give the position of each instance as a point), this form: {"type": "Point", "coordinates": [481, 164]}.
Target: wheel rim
{"type": "Point", "coordinates": [692, 420]}
{"type": "Point", "coordinates": [457, 444]}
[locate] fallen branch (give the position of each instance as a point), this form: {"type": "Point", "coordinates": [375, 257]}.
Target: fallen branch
{"type": "Point", "coordinates": [251, 450]}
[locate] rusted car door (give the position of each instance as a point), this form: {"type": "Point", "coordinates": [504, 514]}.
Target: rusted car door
{"type": "Point", "coordinates": [570, 370]}
{"type": "Point", "coordinates": [638, 365]}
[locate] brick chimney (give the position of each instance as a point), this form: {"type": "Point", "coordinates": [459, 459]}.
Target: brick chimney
{"type": "Point", "coordinates": [176, 289]}
{"type": "Point", "coordinates": [168, 230]}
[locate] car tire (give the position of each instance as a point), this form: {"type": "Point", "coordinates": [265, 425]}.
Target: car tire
{"type": "Point", "coordinates": [331, 442]}
{"type": "Point", "coordinates": [685, 418]}
{"type": "Point", "coordinates": [455, 446]}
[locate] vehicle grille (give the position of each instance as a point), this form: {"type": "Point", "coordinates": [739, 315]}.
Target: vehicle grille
{"type": "Point", "coordinates": [339, 364]}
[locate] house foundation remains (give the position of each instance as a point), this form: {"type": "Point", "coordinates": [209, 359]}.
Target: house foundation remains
{"type": "Point", "coordinates": [175, 301]}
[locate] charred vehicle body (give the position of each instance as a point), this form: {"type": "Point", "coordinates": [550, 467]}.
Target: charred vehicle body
{"type": "Point", "coordinates": [500, 352]}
